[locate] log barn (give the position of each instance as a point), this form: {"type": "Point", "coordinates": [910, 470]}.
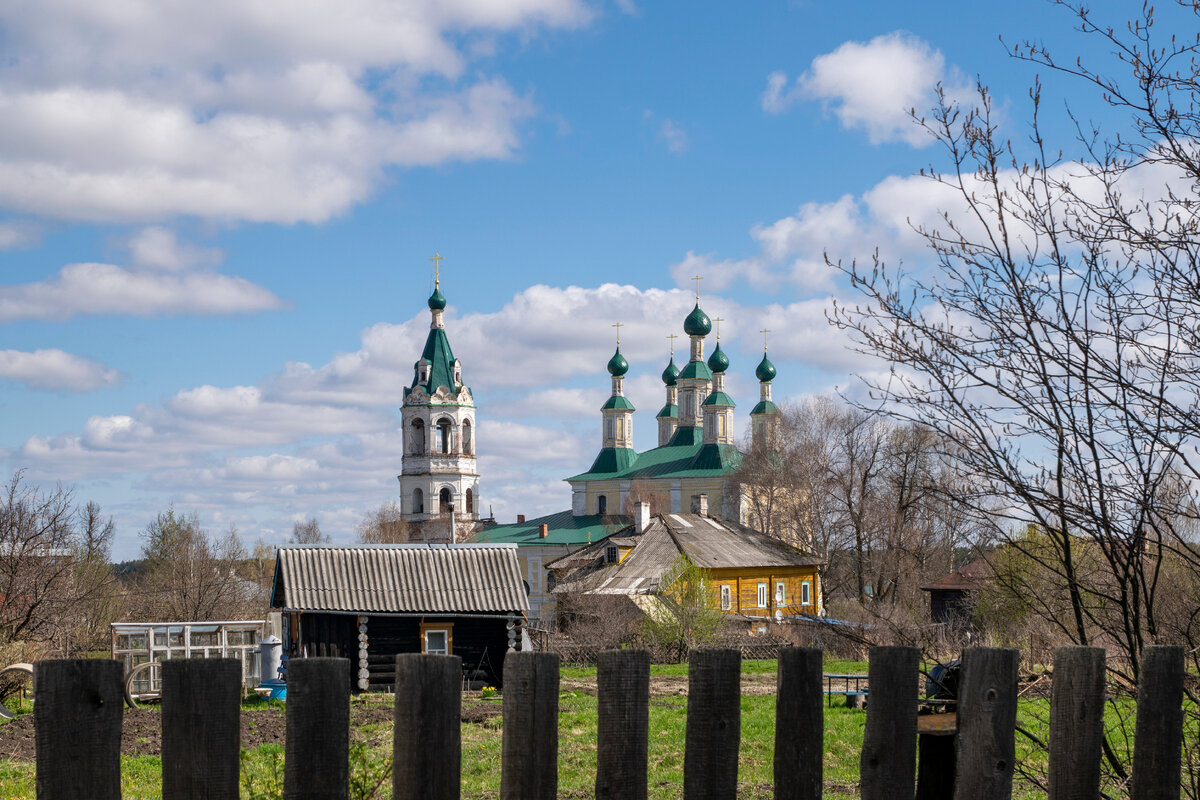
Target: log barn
{"type": "Point", "coordinates": [369, 603]}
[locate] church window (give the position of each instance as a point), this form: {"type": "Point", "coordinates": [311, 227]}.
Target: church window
{"type": "Point", "coordinates": [608, 428]}
{"type": "Point", "coordinates": [620, 428]}
{"type": "Point", "coordinates": [602, 504]}
{"type": "Point", "coordinates": [418, 503]}
{"type": "Point", "coordinates": [470, 502]}
{"type": "Point", "coordinates": [721, 425]}
{"type": "Point", "coordinates": [443, 434]}
{"type": "Point", "coordinates": [466, 437]}
{"type": "Point", "coordinates": [445, 498]}
{"type": "Point", "coordinates": [416, 439]}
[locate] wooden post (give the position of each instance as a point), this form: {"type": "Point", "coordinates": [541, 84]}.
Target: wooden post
{"type": "Point", "coordinates": [317, 752]}
{"type": "Point", "coordinates": [987, 718]}
{"type": "Point", "coordinates": [77, 728]}
{"type": "Point", "coordinates": [714, 725]}
{"type": "Point", "coordinates": [888, 763]}
{"type": "Point", "coordinates": [201, 728]}
{"type": "Point", "coordinates": [1076, 722]}
{"type": "Point", "coordinates": [799, 725]}
{"type": "Point", "coordinates": [622, 724]}
{"type": "Point", "coordinates": [529, 752]}
{"type": "Point", "coordinates": [427, 744]}
{"type": "Point", "coordinates": [1159, 736]}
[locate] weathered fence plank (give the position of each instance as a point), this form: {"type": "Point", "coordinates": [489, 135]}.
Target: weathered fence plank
{"type": "Point", "coordinates": [427, 744]}
{"type": "Point", "coordinates": [201, 728]}
{"type": "Point", "coordinates": [799, 724]}
{"type": "Point", "coordinates": [1076, 723]}
{"type": "Point", "coordinates": [888, 762]}
{"type": "Point", "coordinates": [529, 750]}
{"type": "Point", "coordinates": [622, 724]}
{"type": "Point", "coordinates": [317, 752]}
{"type": "Point", "coordinates": [987, 718]}
{"type": "Point", "coordinates": [714, 725]}
{"type": "Point", "coordinates": [1159, 737]}
{"type": "Point", "coordinates": [77, 729]}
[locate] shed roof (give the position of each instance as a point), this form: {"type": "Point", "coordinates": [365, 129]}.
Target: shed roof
{"type": "Point", "coordinates": [965, 579]}
{"type": "Point", "coordinates": [426, 578]}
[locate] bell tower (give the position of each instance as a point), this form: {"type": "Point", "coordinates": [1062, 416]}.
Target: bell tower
{"type": "Point", "coordinates": [439, 485]}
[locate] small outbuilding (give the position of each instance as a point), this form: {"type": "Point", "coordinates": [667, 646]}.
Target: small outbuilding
{"type": "Point", "coordinates": [952, 596]}
{"type": "Point", "coordinates": [369, 603]}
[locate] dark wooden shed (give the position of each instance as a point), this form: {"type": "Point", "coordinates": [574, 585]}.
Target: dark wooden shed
{"type": "Point", "coordinates": [370, 603]}
{"type": "Point", "coordinates": [952, 596]}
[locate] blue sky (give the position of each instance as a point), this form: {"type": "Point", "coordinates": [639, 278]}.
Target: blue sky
{"type": "Point", "coordinates": [215, 221]}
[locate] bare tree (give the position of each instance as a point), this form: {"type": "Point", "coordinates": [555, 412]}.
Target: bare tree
{"type": "Point", "coordinates": [383, 525]}
{"type": "Point", "coordinates": [308, 532]}
{"type": "Point", "coordinates": [191, 576]}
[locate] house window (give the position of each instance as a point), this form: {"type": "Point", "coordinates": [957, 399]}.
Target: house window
{"type": "Point", "coordinates": [610, 554]}
{"type": "Point", "coordinates": [762, 595]}
{"type": "Point", "coordinates": [806, 593]}
{"type": "Point", "coordinates": [780, 594]}
{"type": "Point", "coordinates": [726, 597]}
{"type": "Point", "coordinates": [437, 639]}
{"type": "Point", "coordinates": [602, 504]}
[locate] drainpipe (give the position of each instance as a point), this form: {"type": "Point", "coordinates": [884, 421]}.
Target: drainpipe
{"type": "Point", "coordinates": [450, 506]}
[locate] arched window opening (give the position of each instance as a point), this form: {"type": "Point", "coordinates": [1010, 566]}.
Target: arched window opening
{"type": "Point", "coordinates": [602, 504]}
{"type": "Point", "coordinates": [470, 502]}
{"type": "Point", "coordinates": [416, 439]}
{"type": "Point", "coordinates": [444, 501]}
{"type": "Point", "coordinates": [443, 428]}
{"type": "Point", "coordinates": [466, 437]}
{"type": "Point", "coordinates": [418, 502]}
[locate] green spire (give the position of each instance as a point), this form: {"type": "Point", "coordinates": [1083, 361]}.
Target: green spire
{"type": "Point", "coordinates": [671, 374]}
{"type": "Point", "coordinates": [697, 323]}
{"type": "Point", "coordinates": [617, 365]}
{"type": "Point", "coordinates": [766, 370]}
{"type": "Point", "coordinates": [718, 361]}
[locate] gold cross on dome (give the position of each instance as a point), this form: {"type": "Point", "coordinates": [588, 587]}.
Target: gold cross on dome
{"type": "Point", "coordinates": [672, 337]}
{"type": "Point", "coordinates": [764, 332]}
{"type": "Point", "coordinates": [697, 279]}
{"type": "Point", "coordinates": [718, 320]}
{"type": "Point", "coordinates": [437, 275]}
{"type": "Point", "coordinates": [618, 326]}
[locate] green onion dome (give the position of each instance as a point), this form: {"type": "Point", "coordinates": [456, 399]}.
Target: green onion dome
{"type": "Point", "coordinates": [718, 361]}
{"type": "Point", "coordinates": [617, 365]}
{"type": "Point", "coordinates": [697, 323]}
{"type": "Point", "coordinates": [671, 373]}
{"type": "Point", "coordinates": [437, 301]}
{"type": "Point", "coordinates": [766, 370]}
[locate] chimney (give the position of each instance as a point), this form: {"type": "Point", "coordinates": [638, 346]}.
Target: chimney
{"type": "Point", "coordinates": [520, 518]}
{"type": "Point", "coordinates": [641, 517]}
{"type": "Point", "coordinates": [543, 531]}
{"type": "Point", "coordinates": [700, 504]}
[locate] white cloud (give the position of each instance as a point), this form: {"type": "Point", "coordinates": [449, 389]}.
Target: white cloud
{"type": "Point", "coordinates": [14, 235]}
{"type": "Point", "coordinates": [675, 137]}
{"type": "Point", "coordinates": [55, 370]}
{"type": "Point", "coordinates": [158, 248]}
{"type": "Point", "coordinates": [144, 110]}
{"type": "Point", "coordinates": [871, 86]}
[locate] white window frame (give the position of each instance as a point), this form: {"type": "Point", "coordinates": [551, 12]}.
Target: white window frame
{"type": "Point", "coordinates": [446, 629]}
{"type": "Point", "coordinates": [806, 593]}
{"type": "Point", "coordinates": [726, 597]}
{"type": "Point", "coordinates": [535, 574]}
{"type": "Point", "coordinates": [780, 593]}
{"type": "Point", "coordinates": [762, 595]}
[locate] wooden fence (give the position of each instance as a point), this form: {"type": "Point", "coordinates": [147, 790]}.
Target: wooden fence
{"type": "Point", "coordinates": [78, 712]}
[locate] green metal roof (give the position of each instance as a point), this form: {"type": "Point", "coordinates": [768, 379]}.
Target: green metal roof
{"type": "Point", "coordinates": [618, 401]}
{"type": "Point", "coordinates": [671, 373]}
{"type": "Point", "coordinates": [689, 459]}
{"type": "Point", "coordinates": [669, 410]}
{"type": "Point", "coordinates": [765, 407]}
{"type": "Point", "coordinates": [612, 460]}
{"type": "Point", "coordinates": [686, 435]}
{"type": "Point", "coordinates": [696, 369]}
{"type": "Point", "coordinates": [697, 323]}
{"type": "Point", "coordinates": [765, 371]}
{"type": "Point", "coordinates": [617, 365]}
{"type": "Point", "coordinates": [718, 361]}
{"type": "Point", "coordinates": [441, 360]}
{"type": "Point", "coordinates": [563, 528]}
{"type": "Point", "coordinates": [719, 399]}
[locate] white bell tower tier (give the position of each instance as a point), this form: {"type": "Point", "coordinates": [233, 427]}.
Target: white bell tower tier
{"type": "Point", "coordinates": [439, 485]}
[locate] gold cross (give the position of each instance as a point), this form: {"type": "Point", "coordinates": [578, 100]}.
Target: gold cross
{"type": "Point", "coordinates": [672, 337]}
{"type": "Point", "coordinates": [437, 275]}
{"type": "Point", "coordinates": [697, 279]}
{"type": "Point", "coordinates": [718, 320]}
{"type": "Point", "coordinates": [618, 326]}
{"type": "Point", "coordinates": [764, 332]}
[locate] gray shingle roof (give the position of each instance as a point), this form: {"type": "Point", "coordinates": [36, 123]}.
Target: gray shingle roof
{"type": "Point", "coordinates": [468, 578]}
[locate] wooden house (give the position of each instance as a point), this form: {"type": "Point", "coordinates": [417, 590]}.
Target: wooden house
{"type": "Point", "coordinates": [369, 603]}
{"type": "Point", "coordinates": [952, 596]}
{"type": "Point", "coordinates": [751, 574]}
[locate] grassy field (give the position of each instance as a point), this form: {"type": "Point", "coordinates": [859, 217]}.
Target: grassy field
{"type": "Point", "coordinates": [262, 767]}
